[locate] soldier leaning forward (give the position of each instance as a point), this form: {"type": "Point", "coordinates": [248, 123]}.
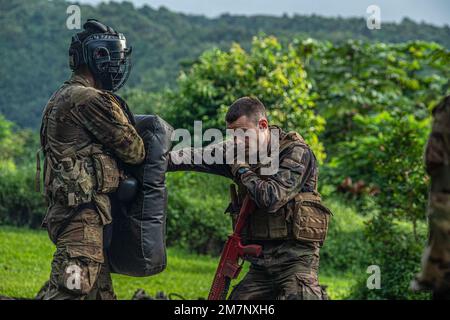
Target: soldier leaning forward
{"type": "Point", "coordinates": [86, 134]}
{"type": "Point", "coordinates": [290, 221]}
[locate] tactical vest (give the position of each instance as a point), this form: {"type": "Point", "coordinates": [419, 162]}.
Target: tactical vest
{"type": "Point", "coordinates": [74, 173]}
{"type": "Point", "coordinates": [303, 218]}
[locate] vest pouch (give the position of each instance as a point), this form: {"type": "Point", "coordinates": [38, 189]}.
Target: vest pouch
{"type": "Point", "coordinates": [310, 219]}
{"type": "Point", "coordinates": [107, 173]}
{"type": "Point", "coordinates": [258, 225]}
{"type": "Point", "coordinates": [278, 228]}
{"type": "Point", "coordinates": [268, 226]}
{"type": "Point", "coordinates": [73, 182]}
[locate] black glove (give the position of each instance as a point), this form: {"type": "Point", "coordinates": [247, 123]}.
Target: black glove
{"type": "Point", "coordinates": [127, 189]}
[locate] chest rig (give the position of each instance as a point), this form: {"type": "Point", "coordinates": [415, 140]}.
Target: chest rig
{"type": "Point", "coordinates": [76, 167]}
{"type": "Point", "coordinates": [303, 218]}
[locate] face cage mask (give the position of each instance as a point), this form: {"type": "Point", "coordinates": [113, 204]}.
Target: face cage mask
{"type": "Point", "coordinates": [108, 58]}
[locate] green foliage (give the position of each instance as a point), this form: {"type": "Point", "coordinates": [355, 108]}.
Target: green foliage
{"type": "Point", "coordinates": [386, 151]}
{"type": "Point", "coordinates": [358, 78]}
{"type": "Point", "coordinates": [145, 102]}
{"type": "Point", "coordinates": [392, 247]}
{"type": "Point", "coordinates": [35, 41]}
{"type": "Point", "coordinates": [19, 203]}
{"type": "Point", "coordinates": [345, 249]}
{"type": "Point", "coordinates": [10, 145]}
{"type": "Point", "coordinates": [268, 71]}
{"type": "Point", "coordinates": [376, 100]}
{"type": "Point", "coordinates": [196, 218]}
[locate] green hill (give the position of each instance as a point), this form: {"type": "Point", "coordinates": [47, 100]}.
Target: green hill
{"type": "Point", "coordinates": [35, 41]}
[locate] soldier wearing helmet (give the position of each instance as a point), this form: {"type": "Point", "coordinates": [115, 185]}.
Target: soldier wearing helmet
{"type": "Point", "coordinates": [87, 134]}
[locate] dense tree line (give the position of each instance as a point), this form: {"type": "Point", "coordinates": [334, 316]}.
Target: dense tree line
{"type": "Point", "coordinates": [35, 39]}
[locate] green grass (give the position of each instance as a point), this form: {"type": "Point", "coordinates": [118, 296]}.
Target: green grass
{"type": "Point", "coordinates": [25, 257]}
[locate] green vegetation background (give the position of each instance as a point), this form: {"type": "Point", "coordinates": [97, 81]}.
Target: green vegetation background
{"type": "Point", "coordinates": [35, 42]}
{"type": "Point", "coordinates": [362, 100]}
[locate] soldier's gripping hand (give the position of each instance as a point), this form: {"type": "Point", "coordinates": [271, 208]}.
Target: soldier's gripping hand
{"type": "Point", "coordinates": [272, 192]}
{"type": "Point", "coordinates": [237, 169]}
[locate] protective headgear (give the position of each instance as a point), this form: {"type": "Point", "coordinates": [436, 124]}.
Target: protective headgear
{"type": "Point", "coordinates": [104, 51]}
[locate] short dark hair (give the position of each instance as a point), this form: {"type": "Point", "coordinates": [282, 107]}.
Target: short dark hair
{"type": "Point", "coordinates": [251, 107]}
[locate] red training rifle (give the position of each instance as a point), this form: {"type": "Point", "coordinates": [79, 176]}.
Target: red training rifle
{"type": "Point", "coordinates": [229, 266]}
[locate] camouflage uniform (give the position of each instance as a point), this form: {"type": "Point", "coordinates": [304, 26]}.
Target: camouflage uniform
{"type": "Point", "coordinates": [290, 222]}
{"type": "Point", "coordinates": [435, 273]}
{"type": "Point", "coordinates": [85, 134]}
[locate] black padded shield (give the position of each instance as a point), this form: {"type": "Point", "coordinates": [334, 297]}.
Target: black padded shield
{"type": "Point", "coordinates": [138, 244]}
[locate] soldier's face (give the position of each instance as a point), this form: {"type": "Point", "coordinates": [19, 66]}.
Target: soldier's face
{"type": "Point", "coordinates": [256, 133]}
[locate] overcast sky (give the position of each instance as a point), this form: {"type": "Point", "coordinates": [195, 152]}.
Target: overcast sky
{"type": "Point", "coordinates": [432, 11]}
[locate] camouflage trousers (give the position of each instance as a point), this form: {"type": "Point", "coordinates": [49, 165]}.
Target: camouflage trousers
{"type": "Point", "coordinates": [286, 271]}
{"type": "Point", "coordinates": [79, 268]}
{"type": "Point", "coordinates": [435, 275]}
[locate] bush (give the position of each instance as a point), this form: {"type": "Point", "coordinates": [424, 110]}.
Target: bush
{"type": "Point", "coordinates": [20, 204]}
{"type": "Point", "coordinates": [360, 78]}
{"type": "Point", "coordinates": [345, 249]}
{"type": "Point", "coordinates": [269, 71]}
{"type": "Point", "coordinates": [195, 218]}
{"type": "Point", "coordinates": [397, 252]}
{"type": "Point", "coordinates": [387, 153]}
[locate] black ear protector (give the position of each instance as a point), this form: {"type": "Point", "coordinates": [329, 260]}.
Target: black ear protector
{"type": "Point", "coordinates": [75, 54]}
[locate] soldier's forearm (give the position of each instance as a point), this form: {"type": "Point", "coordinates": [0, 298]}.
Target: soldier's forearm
{"type": "Point", "coordinates": [186, 163]}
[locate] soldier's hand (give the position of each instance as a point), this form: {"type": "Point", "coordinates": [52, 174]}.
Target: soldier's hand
{"type": "Point", "coordinates": [237, 169]}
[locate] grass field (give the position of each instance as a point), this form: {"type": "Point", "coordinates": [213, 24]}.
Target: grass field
{"type": "Point", "coordinates": [25, 257]}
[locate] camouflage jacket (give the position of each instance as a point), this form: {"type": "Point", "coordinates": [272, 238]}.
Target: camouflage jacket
{"type": "Point", "coordinates": [78, 122]}
{"type": "Point", "coordinates": [274, 195]}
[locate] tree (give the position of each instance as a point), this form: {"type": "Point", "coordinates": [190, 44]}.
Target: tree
{"type": "Point", "coordinates": [269, 71]}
